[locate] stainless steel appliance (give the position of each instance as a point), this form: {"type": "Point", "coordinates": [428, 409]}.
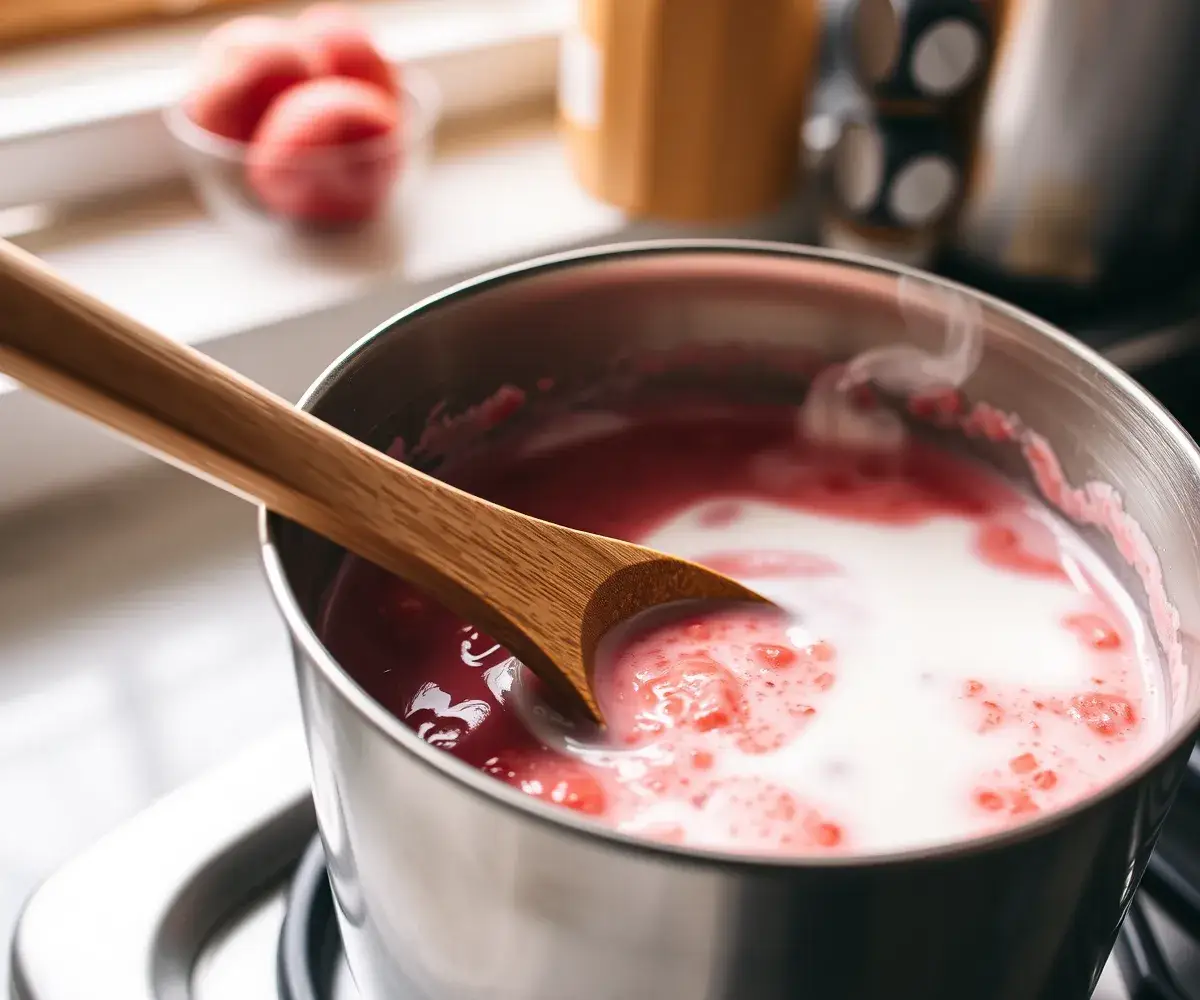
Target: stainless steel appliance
{"type": "Point", "coordinates": [458, 887]}
{"type": "Point", "coordinates": [1086, 171]}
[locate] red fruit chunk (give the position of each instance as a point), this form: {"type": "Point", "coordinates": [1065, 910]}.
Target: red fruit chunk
{"type": "Point", "coordinates": [244, 65]}
{"type": "Point", "coordinates": [989, 800]}
{"type": "Point", "coordinates": [1105, 714]}
{"type": "Point", "coordinates": [1020, 803]}
{"type": "Point", "coordinates": [552, 779]}
{"type": "Point", "coordinates": [1045, 780]}
{"type": "Point", "coordinates": [774, 656]}
{"type": "Point", "coordinates": [993, 716]}
{"type": "Point", "coordinates": [326, 152]}
{"type": "Point", "coordinates": [1017, 802]}
{"type": "Point", "coordinates": [1024, 764]}
{"type": "Point", "coordinates": [1094, 631]}
{"type": "Point", "coordinates": [341, 46]}
{"type": "Point", "coordinates": [824, 834]}
{"type": "Point", "coordinates": [1001, 546]}
{"type": "Point", "coordinates": [821, 652]}
{"type": "Point", "coordinates": [696, 692]}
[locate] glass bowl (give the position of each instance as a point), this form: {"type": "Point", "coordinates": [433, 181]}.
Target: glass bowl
{"type": "Point", "coordinates": [327, 190]}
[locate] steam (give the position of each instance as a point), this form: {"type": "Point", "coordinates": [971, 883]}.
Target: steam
{"type": "Point", "coordinates": [904, 369]}
{"type": "Point", "coordinates": [832, 415]}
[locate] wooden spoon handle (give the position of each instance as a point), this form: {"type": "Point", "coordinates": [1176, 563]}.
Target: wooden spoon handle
{"type": "Point", "coordinates": [206, 418]}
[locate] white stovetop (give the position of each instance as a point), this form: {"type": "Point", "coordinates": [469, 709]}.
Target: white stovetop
{"type": "Point", "coordinates": [139, 646]}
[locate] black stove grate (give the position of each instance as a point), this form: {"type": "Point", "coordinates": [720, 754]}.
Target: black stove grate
{"type": "Point", "coordinates": [1145, 969]}
{"type": "Point", "coordinates": [309, 944]}
{"type": "Point", "coordinates": [1172, 883]}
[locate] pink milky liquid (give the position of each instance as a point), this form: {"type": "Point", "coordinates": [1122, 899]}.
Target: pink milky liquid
{"type": "Point", "coordinates": [953, 659]}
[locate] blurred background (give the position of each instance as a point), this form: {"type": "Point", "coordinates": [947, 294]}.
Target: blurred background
{"type": "Point", "coordinates": [169, 157]}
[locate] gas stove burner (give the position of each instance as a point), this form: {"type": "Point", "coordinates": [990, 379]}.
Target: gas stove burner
{"type": "Point", "coordinates": [1170, 891]}
{"type": "Point", "coordinates": [309, 945]}
{"type": "Point", "coordinates": [1143, 967]}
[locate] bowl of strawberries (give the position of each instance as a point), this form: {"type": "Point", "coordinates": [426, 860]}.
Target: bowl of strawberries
{"type": "Point", "coordinates": [302, 124]}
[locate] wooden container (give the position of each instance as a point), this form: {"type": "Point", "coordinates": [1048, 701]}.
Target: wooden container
{"type": "Point", "coordinates": [688, 110]}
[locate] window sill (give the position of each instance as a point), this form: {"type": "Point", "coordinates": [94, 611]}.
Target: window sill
{"type": "Point", "coordinates": [495, 194]}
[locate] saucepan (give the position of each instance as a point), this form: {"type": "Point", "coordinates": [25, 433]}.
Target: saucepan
{"type": "Point", "coordinates": [452, 886]}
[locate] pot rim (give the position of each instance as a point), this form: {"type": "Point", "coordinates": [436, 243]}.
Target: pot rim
{"type": "Point", "coordinates": [566, 820]}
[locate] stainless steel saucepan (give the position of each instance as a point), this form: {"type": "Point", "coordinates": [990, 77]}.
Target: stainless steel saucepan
{"type": "Point", "coordinates": [453, 886]}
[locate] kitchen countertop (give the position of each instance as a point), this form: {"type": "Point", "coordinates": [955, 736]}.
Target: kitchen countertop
{"type": "Point", "coordinates": [139, 646]}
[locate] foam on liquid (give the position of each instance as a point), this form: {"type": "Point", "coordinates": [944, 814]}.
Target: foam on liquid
{"type": "Point", "coordinates": [956, 660]}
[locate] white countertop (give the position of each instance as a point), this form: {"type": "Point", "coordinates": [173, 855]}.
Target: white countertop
{"type": "Point", "coordinates": [139, 646]}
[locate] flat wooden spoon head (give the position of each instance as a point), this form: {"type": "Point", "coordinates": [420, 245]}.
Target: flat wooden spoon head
{"type": "Point", "coordinates": [564, 589]}
{"type": "Point", "coordinates": [546, 592]}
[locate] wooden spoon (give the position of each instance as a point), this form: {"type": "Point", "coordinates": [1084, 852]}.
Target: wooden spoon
{"type": "Point", "coordinates": [546, 592]}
